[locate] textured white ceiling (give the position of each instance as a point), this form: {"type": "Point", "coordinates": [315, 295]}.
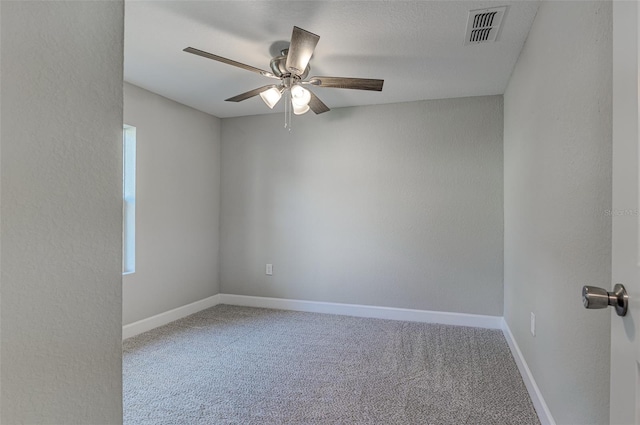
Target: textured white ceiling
{"type": "Point", "coordinates": [415, 46]}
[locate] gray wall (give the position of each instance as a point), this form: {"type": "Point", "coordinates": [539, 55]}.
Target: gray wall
{"type": "Point", "coordinates": [392, 205]}
{"type": "Point", "coordinates": [557, 154]}
{"type": "Point", "coordinates": [177, 205]}
{"type": "Point", "coordinates": [61, 212]}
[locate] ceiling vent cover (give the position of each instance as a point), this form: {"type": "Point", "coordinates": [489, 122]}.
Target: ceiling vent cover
{"type": "Point", "coordinates": [483, 25]}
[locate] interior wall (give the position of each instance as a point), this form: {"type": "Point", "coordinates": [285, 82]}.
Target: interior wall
{"type": "Point", "coordinates": [61, 212]}
{"type": "Point", "coordinates": [557, 154]}
{"type": "Point", "coordinates": [177, 205]}
{"type": "Point", "coordinates": [0, 214]}
{"type": "Point", "coordinates": [390, 205]}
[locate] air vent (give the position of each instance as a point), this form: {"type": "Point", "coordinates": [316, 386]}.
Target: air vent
{"type": "Point", "coordinates": [483, 25]}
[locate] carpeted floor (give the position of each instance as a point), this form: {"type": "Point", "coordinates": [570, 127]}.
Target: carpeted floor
{"type": "Point", "coordinates": [238, 365]}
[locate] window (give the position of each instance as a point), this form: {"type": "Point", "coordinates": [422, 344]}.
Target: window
{"type": "Point", "coordinates": [129, 199]}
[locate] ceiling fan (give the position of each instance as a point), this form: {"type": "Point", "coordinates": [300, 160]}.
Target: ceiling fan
{"type": "Point", "coordinates": [292, 68]}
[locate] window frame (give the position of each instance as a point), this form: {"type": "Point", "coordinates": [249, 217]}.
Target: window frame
{"type": "Point", "coordinates": [128, 199]}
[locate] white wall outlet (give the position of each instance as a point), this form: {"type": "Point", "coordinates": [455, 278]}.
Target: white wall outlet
{"type": "Point", "coordinates": [269, 270]}
{"type": "Point", "coordinates": [533, 324]}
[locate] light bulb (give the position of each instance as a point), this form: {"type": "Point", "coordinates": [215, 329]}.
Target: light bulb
{"type": "Point", "coordinates": [300, 96]}
{"type": "Point", "coordinates": [271, 96]}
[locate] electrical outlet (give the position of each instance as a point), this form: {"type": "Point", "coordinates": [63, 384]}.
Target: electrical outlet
{"type": "Point", "coordinates": [269, 270]}
{"type": "Point", "coordinates": [533, 324]}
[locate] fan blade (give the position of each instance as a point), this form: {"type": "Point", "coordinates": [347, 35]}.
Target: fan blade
{"type": "Point", "coordinates": [249, 94]}
{"type": "Point", "coordinates": [300, 50]}
{"type": "Point", "coordinates": [317, 105]}
{"type": "Point", "coordinates": [229, 62]}
{"type": "Point", "coordinates": [347, 83]}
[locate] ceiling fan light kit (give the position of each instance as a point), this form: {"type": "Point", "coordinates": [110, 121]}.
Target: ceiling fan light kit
{"type": "Point", "coordinates": [271, 96]}
{"type": "Point", "coordinates": [292, 68]}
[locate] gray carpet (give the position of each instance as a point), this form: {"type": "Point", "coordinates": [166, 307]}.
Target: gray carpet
{"type": "Point", "coordinates": [238, 365]}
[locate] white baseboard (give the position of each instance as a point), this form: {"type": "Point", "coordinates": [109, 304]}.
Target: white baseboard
{"type": "Point", "coordinates": [357, 310]}
{"type": "Point", "coordinates": [161, 319]}
{"type": "Point", "coordinates": [391, 313]}
{"type": "Point", "coordinates": [544, 414]}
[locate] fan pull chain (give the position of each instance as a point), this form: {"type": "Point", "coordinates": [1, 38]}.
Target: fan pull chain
{"type": "Point", "coordinates": [287, 109]}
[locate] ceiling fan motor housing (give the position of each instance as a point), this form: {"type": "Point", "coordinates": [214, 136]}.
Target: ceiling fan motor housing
{"type": "Point", "coordinates": [279, 67]}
